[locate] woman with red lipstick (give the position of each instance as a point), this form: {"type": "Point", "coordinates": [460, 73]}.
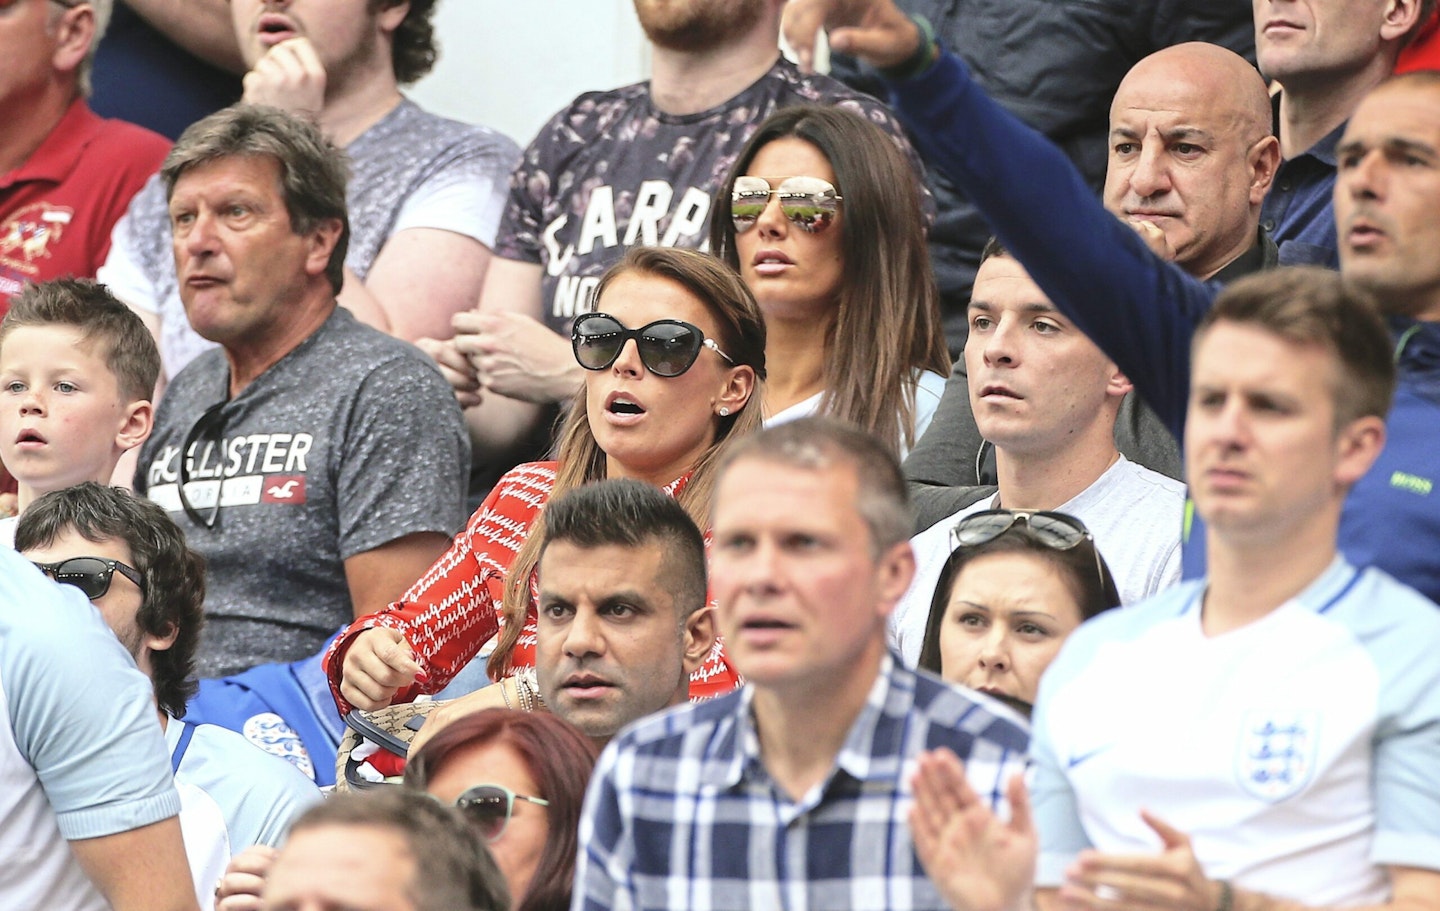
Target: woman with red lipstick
{"type": "Point", "coordinates": [675, 360]}
{"type": "Point", "coordinates": [821, 217]}
{"type": "Point", "coordinates": [1017, 583]}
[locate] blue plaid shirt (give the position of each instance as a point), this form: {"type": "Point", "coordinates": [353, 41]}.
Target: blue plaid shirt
{"type": "Point", "coordinates": [682, 814]}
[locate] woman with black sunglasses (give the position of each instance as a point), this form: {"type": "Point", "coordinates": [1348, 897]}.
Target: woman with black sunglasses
{"type": "Point", "coordinates": [675, 361]}
{"type": "Point", "coordinates": [821, 217]}
{"type": "Point", "coordinates": [1016, 584]}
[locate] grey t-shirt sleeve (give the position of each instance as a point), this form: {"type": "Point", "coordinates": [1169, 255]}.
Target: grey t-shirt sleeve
{"type": "Point", "coordinates": [82, 714]}
{"type": "Point", "coordinates": [405, 460]}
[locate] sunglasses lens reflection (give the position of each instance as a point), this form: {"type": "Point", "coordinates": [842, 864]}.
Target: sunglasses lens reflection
{"type": "Point", "coordinates": [487, 810]}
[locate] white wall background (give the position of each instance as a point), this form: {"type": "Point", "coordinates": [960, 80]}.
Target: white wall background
{"type": "Point", "coordinates": [510, 65]}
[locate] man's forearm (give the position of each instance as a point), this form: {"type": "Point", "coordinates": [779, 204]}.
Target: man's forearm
{"type": "Point", "coordinates": [202, 27]}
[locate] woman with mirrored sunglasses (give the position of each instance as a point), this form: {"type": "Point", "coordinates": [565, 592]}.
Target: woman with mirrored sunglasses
{"type": "Point", "coordinates": [519, 778]}
{"type": "Point", "coordinates": [675, 364]}
{"type": "Point", "coordinates": [821, 216]}
{"type": "Point", "coordinates": [1015, 586]}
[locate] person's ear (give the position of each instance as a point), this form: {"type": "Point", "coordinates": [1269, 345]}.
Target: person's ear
{"type": "Point", "coordinates": [73, 35]}
{"type": "Point", "coordinates": [391, 15]}
{"type": "Point", "coordinates": [135, 428]}
{"type": "Point", "coordinates": [161, 643]}
{"type": "Point", "coordinates": [1264, 161]}
{"type": "Point", "coordinates": [1357, 446]}
{"type": "Point", "coordinates": [1401, 16]}
{"type": "Point", "coordinates": [322, 238]}
{"type": "Point", "coordinates": [739, 385]}
{"type": "Point", "coordinates": [893, 573]}
{"type": "Point", "coordinates": [1118, 384]}
{"type": "Point", "coordinates": [700, 636]}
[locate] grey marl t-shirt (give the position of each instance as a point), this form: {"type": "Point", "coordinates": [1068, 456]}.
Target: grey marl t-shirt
{"type": "Point", "coordinates": [349, 442]}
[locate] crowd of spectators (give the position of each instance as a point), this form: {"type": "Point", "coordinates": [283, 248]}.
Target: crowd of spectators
{"type": "Point", "coordinates": [1000, 481]}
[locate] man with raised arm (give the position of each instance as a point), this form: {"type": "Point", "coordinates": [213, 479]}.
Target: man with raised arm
{"type": "Point", "coordinates": [1142, 311]}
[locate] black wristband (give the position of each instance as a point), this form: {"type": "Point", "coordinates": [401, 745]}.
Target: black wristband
{"type": "Point", "coordinates": [925, 55]}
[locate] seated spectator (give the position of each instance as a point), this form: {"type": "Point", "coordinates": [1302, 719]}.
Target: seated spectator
{"type": "Point", "coordinates": [519, 778]}
{"type": "Point", "coordinates": [1270, 727]}
{"type": "Point", "coordinates": [425, 193]}
{"type": "Point", "coordinates": [622, 620]}
{"type": "Point", "coordinates": [1017, 584]}
{"type": "Point", "coordinates": [674, 359]}
{"type": "Point", "coordinates": [1047, 399]}
{"type": "Point", "coordinates": [87, 805]}
{"type": "Point", "coordinates": [792, 790]}
{"type": "Point", "coordinates": [131, 561]}
{"type": "Point", "coordinates": [634, 165]}
{"type": "Point", "coordinates": [392, 850]}
{"type": "Point", "coordinates": [77, 370]}
{"type": "Point", "coordinates": [821, 217]}
{"type": "Point", "coordinates": [317, 463]}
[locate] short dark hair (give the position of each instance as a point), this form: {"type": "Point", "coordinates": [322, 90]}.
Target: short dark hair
{"type": "Point", "coordinates": [413, 51]}
{"type": "Point", "coordinates": [818, 443]}
{"type": "Point", "coordinates": [1094, 590]}
{"type": "Point", "coordinates": [127, 346]}
{"type": "Point", "coordinates": [1307, 305]}
{"type": "Point", "coordinates": [313, 171]}
{"type": "Point", "coordinates": [559, 759]}
{"type": "Point", "coordinates": [629, 513]}
{"type": "Point", "coordinates": [453, 869]}
{"type": "Point", "coordinates": [174, 574]}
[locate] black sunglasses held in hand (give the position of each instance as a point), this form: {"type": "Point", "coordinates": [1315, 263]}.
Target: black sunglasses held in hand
{"type": "Point", "coordinates": [668, 347]}
{"type": "Point", "coordinates": [489, 806]}
{"type": "Point", "coordinates": [809, 202]}
{"type": "Point", "coordinates": [91, 575]}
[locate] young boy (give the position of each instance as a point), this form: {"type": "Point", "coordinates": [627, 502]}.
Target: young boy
{"type": "Point", "coordinates": [77, 371]}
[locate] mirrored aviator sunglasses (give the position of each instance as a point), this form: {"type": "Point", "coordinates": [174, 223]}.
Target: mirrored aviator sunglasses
{"type": "Point", "coordinates": [92, 575]}
{"type": "Point", "coordinates": [488, 808]}
{"type": "Point", "coordinates": [668, 347]}
{"type": "Point", "coordinates": [810, 203]}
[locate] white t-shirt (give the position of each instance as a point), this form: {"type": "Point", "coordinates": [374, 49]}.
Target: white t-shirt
{"type": "Point", "coordinates": [7, 531]}
{"type": "Point", "coordinates": [1298, 752]}
{"type": "Point", "coordinates": [1134, 513]}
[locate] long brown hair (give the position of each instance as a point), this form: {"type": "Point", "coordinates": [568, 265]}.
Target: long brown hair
{"type": "Point", "coordinates": [887, 314]}
{"type": "Point", "coordinates": [581, 460]}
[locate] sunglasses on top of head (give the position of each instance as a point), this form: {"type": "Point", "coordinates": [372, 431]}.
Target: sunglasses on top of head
{"type": "Point", "coordinates": [92, 575]}
{"type": "Point", "coordinates": [489, 807]}
{"type": "Point", "coordinates": [668, 347]}
{"type": "Point", "coordinates": [1055, 530]}
{"type": "Point", "coordinates": [809, 202]}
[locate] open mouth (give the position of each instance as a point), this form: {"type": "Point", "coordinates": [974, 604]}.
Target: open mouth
{"type": "Point", "coordinates": [275, 29]}
{"type": "Point", "coordinates": [29, 436]}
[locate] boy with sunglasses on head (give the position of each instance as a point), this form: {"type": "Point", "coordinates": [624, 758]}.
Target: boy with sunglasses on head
{"type": "Point", "coordinates": [77, 371]}
{"type": "Point", "coordinates": [1047, 399]}
{"type": "Point", "coordinates": [131, 561]}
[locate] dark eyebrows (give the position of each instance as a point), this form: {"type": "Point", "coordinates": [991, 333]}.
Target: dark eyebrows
{"type": "Point", "coordinates": [1392, 146]}
{"type": "Point", "coordinates": [1172, 135]}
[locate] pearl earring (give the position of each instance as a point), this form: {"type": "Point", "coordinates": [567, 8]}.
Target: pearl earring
{"type": "Point", "coordinates": [724, 412]}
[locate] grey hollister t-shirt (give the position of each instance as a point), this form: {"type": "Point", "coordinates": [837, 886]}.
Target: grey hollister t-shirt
{"type": "Point", "coordinates": [611, 171]}
{"type": "Point", "coordinates": [349, 442]}
{"type": "Point", "coordinates": [412, 169]}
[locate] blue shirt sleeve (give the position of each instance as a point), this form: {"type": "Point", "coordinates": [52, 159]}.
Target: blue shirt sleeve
{"type": "Point", "coordinates": [1140, 310]}
{"type": "Point", "coordinates": [601, 865]}
{"type": "Point", "coordinates": [81, 712]}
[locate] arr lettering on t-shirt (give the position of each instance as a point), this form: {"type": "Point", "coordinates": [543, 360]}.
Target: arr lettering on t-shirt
{"type": "Point", "coordinates": [234, 471]}
{"type": "Point", "coordinates": [650, 208]}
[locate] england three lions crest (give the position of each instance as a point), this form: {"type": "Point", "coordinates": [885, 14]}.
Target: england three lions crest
{"type": "Point", "coordinates": [1276, 753]}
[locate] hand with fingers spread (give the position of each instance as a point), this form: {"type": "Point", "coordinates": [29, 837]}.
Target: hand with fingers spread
{"type": "Point", "coordinates": [239, 889]}
{"type": "Point", "coordinates": [976, 861]}
{"type": "Point", "coordinates": [516, 356]}
{"type": "Point", "coordinates": [876, 31]}
{"type": "Point", "coordinates": [290, 76]}
{"type": "Point", "coordinates": [1169, 881]}
{"type": "Point", "coordinates": [455, 367]}
{"type": "Point", "coordinates": [378, 664]}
